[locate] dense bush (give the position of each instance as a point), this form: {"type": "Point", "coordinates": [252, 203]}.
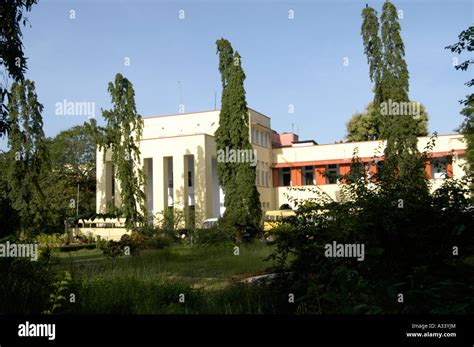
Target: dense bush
{"type": "Point", "coordinates": [72, 248]}
{"type": "Point", "coordinates": [409, 239]}
{"type": "Point", "coordinates": [212, 236]}
{"type": "Point", "coordinates": [159, 241]}
{"type": "Point", "coordinates": [135, 241]}
{"type": "Point", "coordinates": [111, 249]}
{"type": "Point", "coordinates": [24, 286]}
{"type": "Point", "coordinates": [131, 244]}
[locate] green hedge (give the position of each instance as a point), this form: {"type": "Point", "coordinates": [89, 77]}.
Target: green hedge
{"type": "Point", "coordinates": [72, 248]}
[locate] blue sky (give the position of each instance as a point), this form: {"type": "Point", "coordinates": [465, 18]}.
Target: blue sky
{"type": "Point", "coordinates": [287, 61]}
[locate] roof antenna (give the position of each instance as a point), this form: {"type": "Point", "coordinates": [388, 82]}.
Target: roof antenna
{"type": "Point", "coordinates": [215, 100]}
{"type": "Point", "coordinates": [180, 98]}
{"type": "Point", "coordinates": [292, 127]}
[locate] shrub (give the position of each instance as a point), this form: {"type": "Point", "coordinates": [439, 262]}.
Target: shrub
{"type": "Point", "coordinates": [112, 249]}
{"type": "Point", "coordinates": [213, 236]}
{"type": "Point", "coordinates": [136, 242]}
{"type": "Point", "coordinates": [57, 298]}
{"type": "Point", "coordinates": [159, 241]}
{"type": "Point", "coordinates": [408, 249]}
{"type": "Point", "coordinates": [72, 248]}
{"type": "Point", "coordinates": [24, 286]}
{"type": "Point", "coordinates": [101, 243]}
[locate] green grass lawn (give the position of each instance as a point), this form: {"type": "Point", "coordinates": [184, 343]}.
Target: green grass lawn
{"type": "Point", "coordinates": [206, 267]}
{"type": "Point", "coordinates": [208, 277]}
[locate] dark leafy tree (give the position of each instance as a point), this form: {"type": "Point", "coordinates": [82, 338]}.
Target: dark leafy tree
{"type": "Point", "coordinates": [389, 71]}
{"type": "Point", "coordinates": [27, 157]}
{"type": "Point", "coordinates": [121, 137]}
{"type": "Point", "coordinates": [242, 199]}
{"type": "Point", "coordinates": [12, 59]}
{"type": "Point", "coordinates": [394, 68]}
{"type": "Point", "coordinates": [373, 51]}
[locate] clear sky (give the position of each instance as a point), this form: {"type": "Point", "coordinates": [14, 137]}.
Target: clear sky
{"type": "Point", "coordinates": [295, 61]}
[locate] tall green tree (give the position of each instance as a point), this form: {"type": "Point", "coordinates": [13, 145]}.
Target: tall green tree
{"type": "Point", "coordinates": [242, 200]}
{"type": "Point", "coordinates": [373, 51]}
{"type": "Point", "coordinates": [466, 43]}
{"type": "Point", "coordinates": [27, 157]}
{"type": "Point", "coordinates": [388, 69]}
{"type": "Point", "coordinates": [395, 74]}
{"type": "Point", "coordinates": [12, 60]}
{"type": "Point", "coordinates": [122, 135]}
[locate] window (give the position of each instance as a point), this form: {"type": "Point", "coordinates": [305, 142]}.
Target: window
{"type": "Point", "coordinates": [264, 139]}
{"type": "Point", "coordinates": [252, 138]}
{"type": "Point", "coordinates": [267, 175]}
{"type": "Point", "coordinates": [379, 165]}
{"type": "Point", "coordinates": [190, 181]}
{"type": "Point", "coordinates": [258, 177]}
{"type": "Point", "coordinates": [308, 175]}
{"type": "Point", "coordinates": [263, 178]}
{"type": "Point", "coordinates": [357, 171]}
{"type": "Point", "coordinates": [332, 172]}
{"type": "Point", "coordinates": [439, 168]}
{"type": "Point", "coordinates": [285, 177]}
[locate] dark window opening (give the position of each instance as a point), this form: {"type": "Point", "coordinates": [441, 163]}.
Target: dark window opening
{"type": "Point", "coordinates": [308, 175]}
{"type": "Point", "coordinates": [285, 177]}
{"type": "Point", "coordinates": [332, 173]}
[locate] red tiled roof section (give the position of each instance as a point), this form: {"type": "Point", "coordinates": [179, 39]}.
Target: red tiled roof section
{"type": "Point", "coordinates": [283, 139]}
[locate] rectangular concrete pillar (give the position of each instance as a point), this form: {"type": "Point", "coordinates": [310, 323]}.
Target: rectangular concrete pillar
{"type": "Point", "coordinates": [159, 179]}
{"type": "Point", "coordinates": [203, 186]}
{"type": "Point", "coordinates": [179, 195]}
{"type": "Point", "coordinates": [101, 183]}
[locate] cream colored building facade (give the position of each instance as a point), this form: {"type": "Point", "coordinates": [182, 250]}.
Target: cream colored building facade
{"type": "Point", "coordinates": [178, 153]}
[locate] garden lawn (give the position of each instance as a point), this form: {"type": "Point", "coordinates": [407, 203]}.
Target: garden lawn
{"type": "Point", "coordinates": [209, 277]}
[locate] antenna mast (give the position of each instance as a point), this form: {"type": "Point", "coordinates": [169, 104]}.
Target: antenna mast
{"type": "Point", "coordinates": [180, 97]}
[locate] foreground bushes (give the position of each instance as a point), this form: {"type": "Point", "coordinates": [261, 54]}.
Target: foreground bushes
{"type": "Point", "coordinates": [24, 286]}
{"type": "Point", "coordinates": [418, 251]}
